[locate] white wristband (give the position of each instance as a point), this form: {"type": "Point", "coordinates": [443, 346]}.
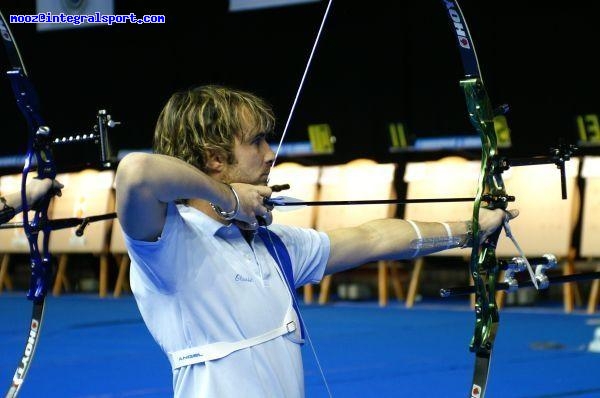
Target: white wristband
{"type": "Point", "coordinates": [449, 233]}
{"type": "Point", "coordinates": [419, 240]}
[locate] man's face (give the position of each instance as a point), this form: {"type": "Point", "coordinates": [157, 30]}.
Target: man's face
{"type": "Point", "coordinates": [252, 159]}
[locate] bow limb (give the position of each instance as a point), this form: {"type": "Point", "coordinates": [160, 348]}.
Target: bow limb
{"type": "Point", "coordinates": [38, 152]}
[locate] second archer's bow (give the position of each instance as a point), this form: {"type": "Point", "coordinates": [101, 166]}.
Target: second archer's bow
{"type": "Point", "coordinates": [39, 153]}
{"type": "Point", "coordinates": [39, 156]}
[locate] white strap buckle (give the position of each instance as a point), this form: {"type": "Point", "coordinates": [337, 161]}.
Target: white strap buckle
{"type": "Point", "coordinates": [291, 326]}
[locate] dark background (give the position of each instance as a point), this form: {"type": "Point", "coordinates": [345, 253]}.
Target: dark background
{"type": "Point", "coordinates": [377, 62]}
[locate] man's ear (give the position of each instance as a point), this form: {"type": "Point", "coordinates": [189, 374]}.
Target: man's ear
{"type": "Point", "coordinates": [215, 160]}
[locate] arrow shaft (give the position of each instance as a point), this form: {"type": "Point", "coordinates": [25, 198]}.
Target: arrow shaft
{"type": "Point", "coordinates": [369, 202]}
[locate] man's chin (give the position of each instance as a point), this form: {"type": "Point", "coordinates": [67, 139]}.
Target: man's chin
{"type": "Point", "coordinates": [261, 182]}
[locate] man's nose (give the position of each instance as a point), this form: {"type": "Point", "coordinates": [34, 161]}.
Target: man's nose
{"type": "Point", "coordinates": [269, 154]}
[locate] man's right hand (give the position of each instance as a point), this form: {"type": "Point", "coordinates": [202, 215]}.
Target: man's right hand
{"type": "Point", "coordinates": [252, 206]}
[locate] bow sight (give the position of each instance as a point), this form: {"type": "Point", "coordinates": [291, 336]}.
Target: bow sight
{"type": "Point", "coordinates": [98, 137]}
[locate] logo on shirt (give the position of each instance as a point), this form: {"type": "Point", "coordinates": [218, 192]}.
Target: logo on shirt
{"type": "Point", "coordinates": [241, 278]}
{"type": "Point", "coordinates": [191, 356]}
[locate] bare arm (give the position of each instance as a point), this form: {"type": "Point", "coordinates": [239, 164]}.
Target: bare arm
{"type": "Point", "coordinates": [35, 189]}
{"type": "Point", "coordinates": [145, 183]}
{"type": "Point", "coordinates": [397, 239]}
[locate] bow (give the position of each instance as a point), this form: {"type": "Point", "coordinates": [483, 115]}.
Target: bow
{"type": "Point", "coordinates": [484, 266]}
{"type": "Point", "coordinates": [483, 263]}
{"type": "Point", "coordinates": [39, 153]}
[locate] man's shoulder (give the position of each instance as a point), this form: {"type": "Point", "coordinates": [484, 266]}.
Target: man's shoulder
{"type": "Point", "coordinates": [292, 235]}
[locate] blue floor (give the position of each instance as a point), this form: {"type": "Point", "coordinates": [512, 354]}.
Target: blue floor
{"type": "Point", "coordinates": [100, 348]}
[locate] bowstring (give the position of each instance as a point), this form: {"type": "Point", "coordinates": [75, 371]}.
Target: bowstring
{"type": "Point", "coordinates": [301, 85]}
{"type": "Point", "coordinates": [292, 289]}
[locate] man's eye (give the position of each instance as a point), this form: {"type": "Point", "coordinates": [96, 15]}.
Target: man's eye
{"type": "Point", "coordinates": [258, 139]}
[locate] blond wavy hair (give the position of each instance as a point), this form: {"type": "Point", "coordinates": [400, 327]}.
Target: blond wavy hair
{"type": "Point", "coordinates": [207, 119]}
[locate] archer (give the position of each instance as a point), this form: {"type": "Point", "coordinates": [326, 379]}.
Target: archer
{"type": "Point", "coordinates": [214, 287]}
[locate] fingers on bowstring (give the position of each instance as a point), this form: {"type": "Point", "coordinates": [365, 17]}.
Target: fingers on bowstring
{"type": "Point", "coordinates": [268, 205]}
{"type": "Point", "coordinates": [265, 218]}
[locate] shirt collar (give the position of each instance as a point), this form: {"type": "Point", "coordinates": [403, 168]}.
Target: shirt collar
{"type": "Point", "coordinates": [207, 223]}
